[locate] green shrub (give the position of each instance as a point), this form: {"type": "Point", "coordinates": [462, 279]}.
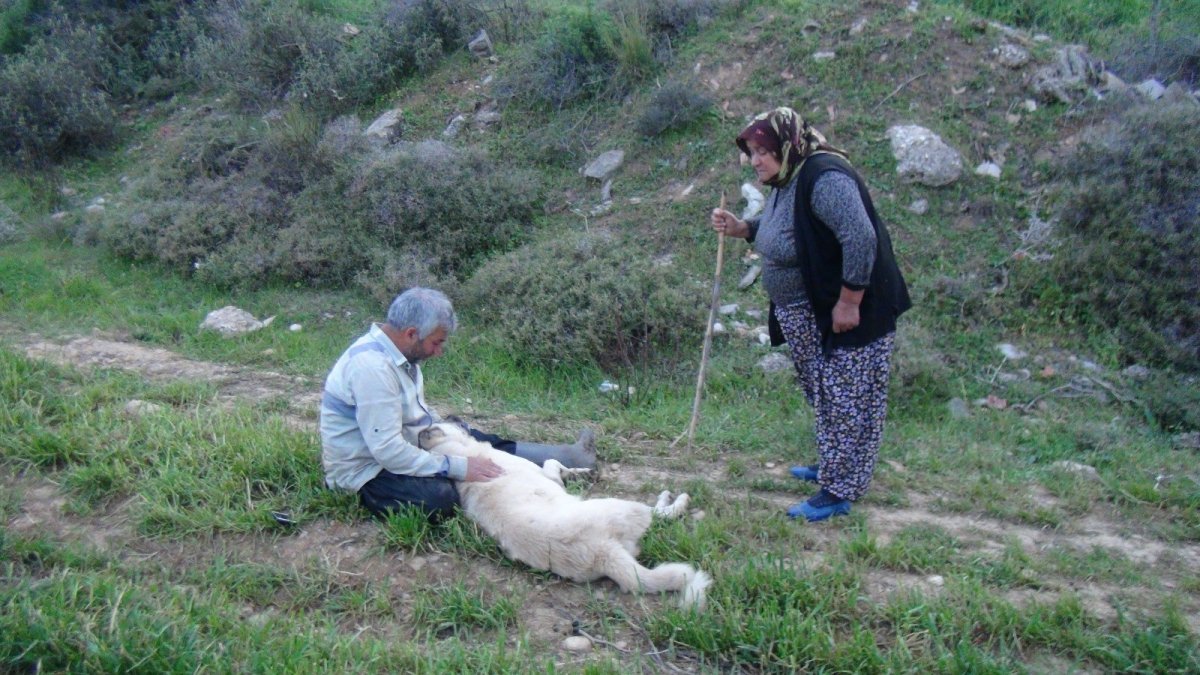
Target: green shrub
{"type": "Point", "coordinates": [396, 43]}
{"type": "Point", "coordinates": [1174, 59]}
{"type": "Point", "coordinates": [236, 201]}
{"type": "Point", "coordinates": [573, 60]}
{"type": "Point", "coordinates": [1129, 197]}
{"type": "Point", "coordinates": [672, 19]}
{"type": "Point", "coordinates": [1173, 400]}
{"type": "Point", "coordinates": [454, 208]}
{"type": "Point", "coordinates": [584, 299]}
{"type": "Point", "coordinates": [14, 25]}
{"type": "Point", "coordinates": [53, 102]}
{"type": "Point", "coordinates": [253, 49]}
{"type": "Point", "coordinates": [675, 104]}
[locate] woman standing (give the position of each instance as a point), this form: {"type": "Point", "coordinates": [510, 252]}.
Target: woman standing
{"type": "Point", "coordinates": [835, 294]}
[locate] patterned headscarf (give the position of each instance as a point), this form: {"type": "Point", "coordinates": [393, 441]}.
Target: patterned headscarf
{"type": "Point", "coordinates": [787, 136]}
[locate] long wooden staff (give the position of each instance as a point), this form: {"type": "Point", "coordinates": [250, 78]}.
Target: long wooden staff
{"type": "Point", "coordinates": [708, 333]}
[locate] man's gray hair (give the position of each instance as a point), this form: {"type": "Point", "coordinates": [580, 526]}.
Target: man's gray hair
{"type": "Point", "coordinates": [425, 309]}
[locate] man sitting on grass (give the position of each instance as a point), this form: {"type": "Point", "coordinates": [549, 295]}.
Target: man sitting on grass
{"type": "Point", "coordinates": [374, 406]}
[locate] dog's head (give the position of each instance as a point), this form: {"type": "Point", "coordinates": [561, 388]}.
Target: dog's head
{"type": "Point", "coordinates": [441, 434]}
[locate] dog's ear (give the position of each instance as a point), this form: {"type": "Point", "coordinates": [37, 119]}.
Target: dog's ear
{"type": "Point", "coordinates": [458, 422]}
{"type": "Point", "coordinates": [430, 437]}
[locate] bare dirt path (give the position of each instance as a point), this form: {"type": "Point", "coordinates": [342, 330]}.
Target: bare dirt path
{"type": "Point", "coordinates": [354, 552]}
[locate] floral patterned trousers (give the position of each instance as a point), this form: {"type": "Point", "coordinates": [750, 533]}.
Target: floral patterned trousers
{"type": "Point", "coordinates": [847, 389]}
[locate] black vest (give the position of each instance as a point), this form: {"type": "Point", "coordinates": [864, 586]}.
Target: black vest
{"type": "Point", "coordinates": [820, 258]}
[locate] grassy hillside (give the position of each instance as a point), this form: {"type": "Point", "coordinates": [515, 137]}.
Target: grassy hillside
{"type": "Point", "coordinates": [1031, 513]}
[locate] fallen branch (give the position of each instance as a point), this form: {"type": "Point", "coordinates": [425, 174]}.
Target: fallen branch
{"type": "Point", "coordinates": [895, 91]}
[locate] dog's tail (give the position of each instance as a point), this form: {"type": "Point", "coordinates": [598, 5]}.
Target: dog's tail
{"type": "Point", "coordinates": [633, 577]}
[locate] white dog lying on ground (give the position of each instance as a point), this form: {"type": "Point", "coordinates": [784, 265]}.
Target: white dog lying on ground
{"type": "Point", "coordinates": [539, 523]}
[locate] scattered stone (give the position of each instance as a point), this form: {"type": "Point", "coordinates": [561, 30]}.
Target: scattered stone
{"type": "Point", "coordinates": [481, 45]}
{"type": "Point", "coordinates": [1011, 56]}
{"type": "Point", "coordinates": [295, 328]}
{"type": "Point", "coordinates": [1021, 375]}
{"type": "Point", "coordinates": [577, 643]}
{"type": "Point", "coordinates": [136, 408]}
{"type": "Point", "coordinates": [992, 401]}
{"type": "Point", "coordinates": [775, 362]}
{"type": "Point", "coordinates": [935, 580]}
{"type": "Point", "coordinates": [919, 206]}
{"type": "Point", "coordinates": [1187, 441]}
{"type": "Point", "coordinates": [914, 7]}
{"type": "Point", "coordinates": [718, 328]}
{"type": "Point", "coordinates": [1151, 89]}
{"type": "Point", "coordinates": [230, 321]}
{"type": "Point", "coordinates": [606, 191]}
{"type": "Point", "coordinates": [858, 26]}
{"type": "Point", "coordinates": [753, 313]}
{"type": "Point", "coordinates": [728, 309]}
{"type": "Point", "coordinates": [1010, 352]}
{"type": "Point", "coordinates": [687, 190]}
{"type": "Point", "coordinates": [824, 56]}
{"type": "Point", "coordinates": [1136, 372]}
{"type": "Point", "coordinates": [1029, 105]}
{"type": "Point", "coordinates": [1078, 469]}
{"type": "Point", "coordinates": [770, 465]}
{"type": "Point", "coordinates": [388, 127]}
{"type": "Point", "coordinates": [754, 201]}
{"type": "Point", "coordinates": [989, 169]}
{"type": "Point", "coordinates": [749, 277]}
{"type": "Point", "coordinates": [1177, 93]}
{"type": "Point", "coordinates": [94, 209]}
{"type": "Point", "coordinates": [454, 128]}
{"type": "Point", "coordinates": [605, 165]}
{"type": "Point", "coordinates": [485, 120]}
{"type": "Point", "coordinates": [67, 191]}
{"type": "Point", "coordinates": [415, 564]}
{"type": "Point", "coordinates": [923, 157]}
{"type": "Point", "coordinates": [59, 216]}
{"type": "Point", "coordinates": [606, 386]}
{"type": "Point", "coordinates": [958, 409]}
{"type": "Point", "coordinates": [350, 30]}
{"type": "Point", "coordinates": [1071, 74]}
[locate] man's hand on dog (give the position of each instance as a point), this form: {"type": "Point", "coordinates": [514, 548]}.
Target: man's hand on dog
{"type": "Point", "coordinates": [482, 469]}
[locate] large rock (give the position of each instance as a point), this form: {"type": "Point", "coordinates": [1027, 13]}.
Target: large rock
{"type": "Point", "coordinates": [604, 166]}
{"type": "Point", "coordinates": [10, 224]}
{"type": "Point", "coordinates": [230, 321]}
{"type": "Point", "coordinates": [481, 45]}
{"type": "Point", "coordinates": [754, 201]}
{"type": "Point", "coordinates": [388, 127]}
{"type": "Point", "coordinates": [923, 157]}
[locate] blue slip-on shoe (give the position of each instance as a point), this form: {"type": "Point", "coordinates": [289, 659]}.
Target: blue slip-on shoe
{"type": "Point", "coordinates": [821, 506]}
{"type": "Point", "coordinates": [808, 473]}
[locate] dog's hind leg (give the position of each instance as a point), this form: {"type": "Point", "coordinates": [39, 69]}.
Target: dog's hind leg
{"type": "Point", "coordinates": [633, 577]}
{"type": "Point", "coordinates": [665, 508]}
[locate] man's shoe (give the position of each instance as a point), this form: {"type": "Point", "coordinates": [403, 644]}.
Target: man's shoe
{"type": "Point", "coordinates": [821, 506]}
{"type": "Point", "coordinates": [808, 473]}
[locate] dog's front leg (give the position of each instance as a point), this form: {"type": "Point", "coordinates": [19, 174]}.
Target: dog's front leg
{"type": "Point", "coordinates": [555, 471]}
